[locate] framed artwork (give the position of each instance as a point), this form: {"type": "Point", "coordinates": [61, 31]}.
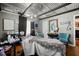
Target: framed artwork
{"type": "Point", "coordinates": [66, 25]}
{"type": "Point", "coordinates": [53, 25]}
{"type": "Point", "coordinates": [8, 24]}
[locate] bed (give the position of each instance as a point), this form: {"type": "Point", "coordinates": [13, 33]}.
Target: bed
{"type": "Point", "coordinates": [43, 46]}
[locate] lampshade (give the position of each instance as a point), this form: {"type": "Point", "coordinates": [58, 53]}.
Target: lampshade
{"type": "Point", "coordinates": [22, 33]}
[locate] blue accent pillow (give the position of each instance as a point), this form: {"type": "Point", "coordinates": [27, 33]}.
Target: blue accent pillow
{"type": "Point", "coordinates": [63, 37]}
{"type": "Point", "coordinates": [40, 34]}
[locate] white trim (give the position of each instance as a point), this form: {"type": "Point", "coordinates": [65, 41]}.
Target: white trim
{"type": "Point", "coordinates": [75, 29]}
{"type": "Point", "coordinates": [74, 33]}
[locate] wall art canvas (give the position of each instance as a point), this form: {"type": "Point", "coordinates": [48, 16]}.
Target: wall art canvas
{"type": "Point", "coordinates": [8, 24]}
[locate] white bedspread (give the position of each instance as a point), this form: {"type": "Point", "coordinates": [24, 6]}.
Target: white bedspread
{"type": "Point", "coordinates": [32, 45]}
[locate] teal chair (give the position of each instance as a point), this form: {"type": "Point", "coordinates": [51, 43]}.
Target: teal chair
{"type": "Point", "coordinates": [64, 37]}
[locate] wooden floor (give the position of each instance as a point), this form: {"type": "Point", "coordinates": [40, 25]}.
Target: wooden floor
{"type": "Point", "coordinates": [19, 51]}
{"type": "Point", "coordinates": [70, 51]}
{"type": "Point", "coordinates": [77, 51]}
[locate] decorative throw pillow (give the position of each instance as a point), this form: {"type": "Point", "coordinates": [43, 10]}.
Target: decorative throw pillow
{"type": "Point", "coordinates": [39, 34]}
{"type": "Point", "coordinates": [63, 37]}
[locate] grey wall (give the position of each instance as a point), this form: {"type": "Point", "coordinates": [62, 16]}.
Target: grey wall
{"type": "Point", "coordinates": [61, 18]}
{"type": "Point", "coordinates": [10, 16]}
{"type": "Point", "coordinates": [39, 28]}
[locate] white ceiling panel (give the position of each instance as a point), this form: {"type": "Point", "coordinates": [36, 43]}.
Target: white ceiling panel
{"type": "Point", "coordinates": [39, 8]}
{"type": "Point", "coordinates": [53, 5]}
{"type": "Point", "coordinates": [48, 14]}
{"type": "Point", "coordinates": [72, 6]}
{"type": "Point", "coordinates": [50, 6]}
{"type": "Point", "coordinates": [61, 10]}
{"type": "Point", "coordinates": [16, 7]}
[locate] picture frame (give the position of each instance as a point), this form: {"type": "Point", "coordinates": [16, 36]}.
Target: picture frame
{"type": "Point", "coordinates": [53, 25]}
{"type": "Point", "coordinates": [8, 24]}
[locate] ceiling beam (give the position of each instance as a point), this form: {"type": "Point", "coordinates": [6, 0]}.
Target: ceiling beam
{"type": "Point", "coordinates": [59, 14]}
{"type": "Point", "coordinates": [27, 8]}
{"type": "Point", "coordinates": [55, 9]}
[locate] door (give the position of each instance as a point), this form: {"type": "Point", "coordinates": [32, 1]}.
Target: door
{"type": "Point", "coordinates": [22, 24]}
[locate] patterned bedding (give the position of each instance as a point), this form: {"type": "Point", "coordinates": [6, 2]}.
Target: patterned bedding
{"type": "Point", "coordinates": [52, 44]}
{"type": "Point", "coordinates": [47, 47]}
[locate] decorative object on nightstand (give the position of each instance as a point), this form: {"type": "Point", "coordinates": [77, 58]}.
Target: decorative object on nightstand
{"type": "Point", "coordinates": [53, 35]}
